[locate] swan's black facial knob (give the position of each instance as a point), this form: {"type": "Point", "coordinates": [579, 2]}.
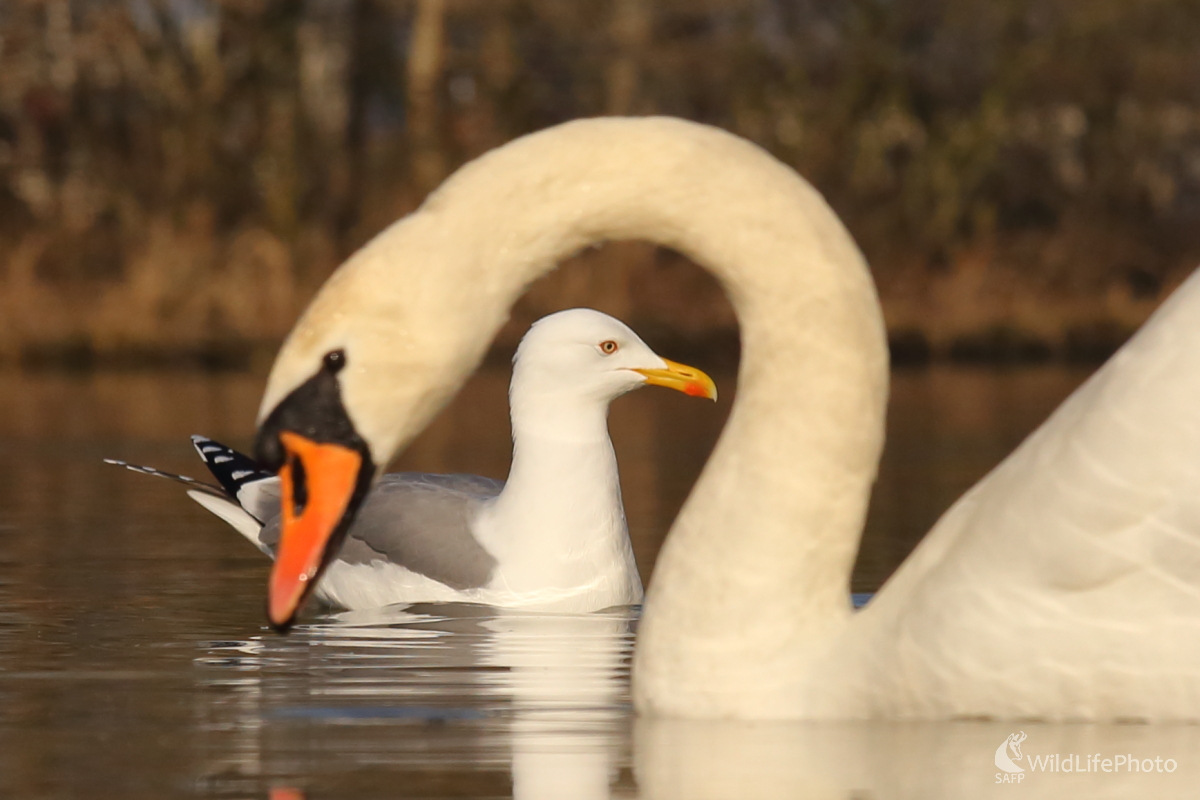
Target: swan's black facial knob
{"type": "Point", "coordinates": [334, 361]}
{"type": "Point", "coordinates": [314, 410]}
{"type": "Point", "coordinates": [325, 471]}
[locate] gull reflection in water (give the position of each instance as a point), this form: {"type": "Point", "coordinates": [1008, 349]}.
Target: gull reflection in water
{"type": "Point", "coordinates": [469, 701]}
{"type": "Point", "coordinates": [567, 678]}
{"type": "Point", "coordinates": [465, 699]}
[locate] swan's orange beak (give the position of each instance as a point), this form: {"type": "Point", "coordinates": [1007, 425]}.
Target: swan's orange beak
{"type": "Point", "coordinates": [318, 481]}
{"type": "Point", "coordinates": [681, 378]}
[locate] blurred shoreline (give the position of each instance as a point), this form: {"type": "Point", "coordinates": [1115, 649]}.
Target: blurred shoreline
{"type": "Point", "coordinates": [178, 178]}
{"type": "Point", "coordinates": [237, 324]}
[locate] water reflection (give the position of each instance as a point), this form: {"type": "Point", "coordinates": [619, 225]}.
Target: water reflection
{"type": "Point", "coordinates": [566, 676]}
{"type": "Point", "coordinates": [675, 760]}
{"type": "Point", "coordinates": [464, 696]}
{"type": "Point", "coordinates": [477, 701]}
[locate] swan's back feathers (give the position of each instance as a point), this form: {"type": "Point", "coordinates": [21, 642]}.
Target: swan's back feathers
{"type": "Point", "coordinates": [420, 522]}
{"type": "Point", "coordinates": [1066, 584]}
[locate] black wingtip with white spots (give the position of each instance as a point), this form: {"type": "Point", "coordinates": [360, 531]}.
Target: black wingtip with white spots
{"type": "Point", "coordinates": [232, 469]}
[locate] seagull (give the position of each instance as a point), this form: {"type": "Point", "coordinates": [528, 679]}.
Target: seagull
{"type": "Point", "coordinates": [551, 537]}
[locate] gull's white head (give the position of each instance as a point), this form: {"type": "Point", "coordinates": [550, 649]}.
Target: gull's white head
{"type": "Point", "coordinates": [584, 355]}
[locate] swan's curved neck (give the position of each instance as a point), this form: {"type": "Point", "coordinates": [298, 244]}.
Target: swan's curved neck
{"type": "Point", "coordinates": [766, 541]}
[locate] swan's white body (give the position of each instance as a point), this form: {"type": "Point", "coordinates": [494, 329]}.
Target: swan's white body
{"type": "Point", "coordinates": [1064, 585]}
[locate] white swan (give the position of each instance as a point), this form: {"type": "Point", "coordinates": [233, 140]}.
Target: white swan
{"type": "Point", "coordinates": [1063, 586]}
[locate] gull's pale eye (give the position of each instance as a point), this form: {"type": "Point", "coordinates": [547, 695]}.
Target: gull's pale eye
{"type": "Point", "coordinates": [608, 347]}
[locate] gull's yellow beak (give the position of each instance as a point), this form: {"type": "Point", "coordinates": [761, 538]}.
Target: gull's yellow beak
{"type": "Point", "coordinates": [681, 378]}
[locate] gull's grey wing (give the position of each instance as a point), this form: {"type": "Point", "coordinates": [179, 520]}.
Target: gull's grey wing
{"type": "Point", "coordinates": [422, 523]}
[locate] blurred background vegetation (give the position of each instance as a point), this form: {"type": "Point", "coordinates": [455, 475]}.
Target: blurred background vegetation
{"type": "Point", "coordinates": [178, 176]}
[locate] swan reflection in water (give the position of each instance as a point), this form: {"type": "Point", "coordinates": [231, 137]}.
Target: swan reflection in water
{"type": "Point", "coordinates": [467, 700]}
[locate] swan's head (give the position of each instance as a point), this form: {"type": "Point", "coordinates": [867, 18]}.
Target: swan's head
{"type": "Point", "coordinates": [585, 356]}
{"type": "Point", "coordinates": [321, 438]}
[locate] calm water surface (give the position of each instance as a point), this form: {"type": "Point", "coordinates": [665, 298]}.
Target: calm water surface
{"type": "Point", "coordinates": [134, 662]}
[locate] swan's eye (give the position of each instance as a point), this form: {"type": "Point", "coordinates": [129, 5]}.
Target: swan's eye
{"type": "Point", "coordinates": [608, 347]}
